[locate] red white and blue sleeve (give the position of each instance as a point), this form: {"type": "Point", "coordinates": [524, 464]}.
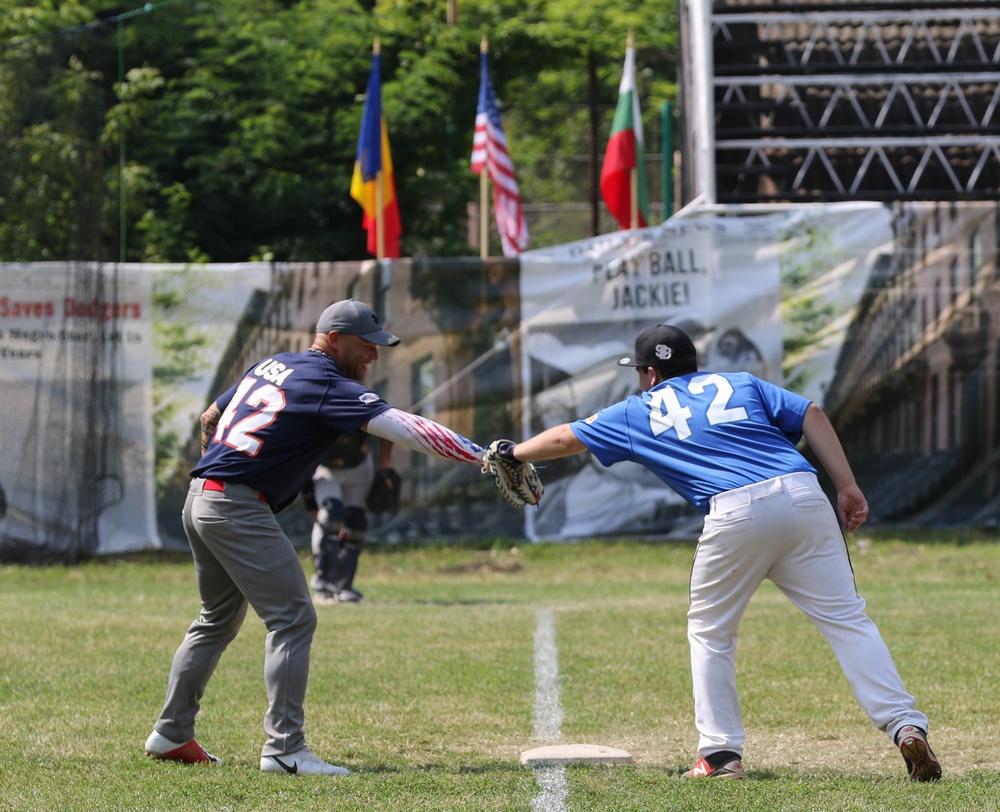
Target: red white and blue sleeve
{"type": "Point", "coordinates": [421, 434]}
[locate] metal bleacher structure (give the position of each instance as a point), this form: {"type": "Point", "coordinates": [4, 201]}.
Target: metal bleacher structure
{"type": "Point", "coordinates": [813, 102]}
{"type": "Point", "coordinates": [879, 101]}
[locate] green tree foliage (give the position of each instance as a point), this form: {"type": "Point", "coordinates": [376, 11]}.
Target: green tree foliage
{"type": "Point", "coordinates": [226, 130]}
{"type": "Point", "coordinates": [50, 119]}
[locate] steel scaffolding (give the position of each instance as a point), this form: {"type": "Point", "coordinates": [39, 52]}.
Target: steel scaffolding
{"type": "Point", "coordinates": [822, 103]}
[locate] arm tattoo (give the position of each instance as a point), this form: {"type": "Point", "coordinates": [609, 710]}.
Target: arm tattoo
{"type": "Point", "coordinates": [209, 420]}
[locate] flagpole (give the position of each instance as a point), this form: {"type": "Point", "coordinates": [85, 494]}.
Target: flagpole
{"type": "Point", "coordinates": [379, 203]}
{"type": "Point", "coordinates": [484, 198]}
{"type": "Point", "coordinates": [633, 175]}
{"type": "Point", "coordinates": [633, 180]}
{"type": "Point", "coordinates": [484, 215]}
{"type": "Point", "coordinates": [379, 219]}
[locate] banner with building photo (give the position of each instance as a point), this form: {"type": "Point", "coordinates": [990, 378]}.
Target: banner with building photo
{"type": "Point", "coordinates": [106, 369]}
{"type": "Point", "coordinates": [720, 279]}
{"type": "Point", "coordinates": [203, 318]}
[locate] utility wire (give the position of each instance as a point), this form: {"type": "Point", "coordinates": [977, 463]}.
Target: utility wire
{"type": "Point", "coordinates": [118, 21]}
{"type": "Point", "coordinates": [104, 22]}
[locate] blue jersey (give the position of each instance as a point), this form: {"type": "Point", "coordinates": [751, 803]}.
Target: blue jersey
{"type": "Point", "coordinates": [703, 433]}
{"type": "Point", "coordinates": [280, 421]}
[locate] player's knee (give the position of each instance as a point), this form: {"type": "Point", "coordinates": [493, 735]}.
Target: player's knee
{"type": "Point", "coordinates": [296, 621]}
{"type": "Point", "coordinates": [356, 521]}
{"type": "Point", "coordinates": [309, 620]}
{"type": "Point", "coordinates": [329, 543]}
{"type": "Point", "coordinates": [227, 623]}
{"type": "Point", "coordinates": [331, 515]}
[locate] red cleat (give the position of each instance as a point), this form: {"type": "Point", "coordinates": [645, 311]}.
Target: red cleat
{"type": "Point", "coordinates": [702, 769]}
{"type": "Point", "coordinates": [190, 752]}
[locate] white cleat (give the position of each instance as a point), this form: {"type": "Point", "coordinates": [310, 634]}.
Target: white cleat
{"type": "Point", "coordinates": [303, 762]}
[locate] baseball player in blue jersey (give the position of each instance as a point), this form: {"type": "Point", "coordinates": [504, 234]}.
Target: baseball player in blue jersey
{"type": "Point", "coordinates": [726, 443]}
{"type": "Point", "coordinates": [261, 441]}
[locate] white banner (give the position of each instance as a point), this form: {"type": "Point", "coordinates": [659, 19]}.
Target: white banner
{"type": "Point", "coordinates": [719, 279]}
{"type": "Point", "coordinates": [61, 352]}
{"type": "Point", "coordinates": [100, 384]}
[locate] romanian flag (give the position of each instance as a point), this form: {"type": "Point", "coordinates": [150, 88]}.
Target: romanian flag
{"type": "Point", "coordinates": [373, 177]}
{"type": "Point", "coordinates": [625, 154]}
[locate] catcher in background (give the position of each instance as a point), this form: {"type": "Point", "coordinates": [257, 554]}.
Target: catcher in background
{"type": "Point", "coordinates": [342, 491]}
{"type": "Point", "coordinates": [725, 441]}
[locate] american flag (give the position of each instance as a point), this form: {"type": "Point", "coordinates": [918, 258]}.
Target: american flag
{"type": "Point", "coordinates": [489, 150]}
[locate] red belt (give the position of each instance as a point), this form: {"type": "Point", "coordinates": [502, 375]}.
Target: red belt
{"type": "Point", "coordinates": [219, 485]}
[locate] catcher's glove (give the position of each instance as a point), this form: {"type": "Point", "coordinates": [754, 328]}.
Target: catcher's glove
{"type": "Point", "coordinates": [383, 495]}
{"type": "Point", "coordinates": [518, 482]}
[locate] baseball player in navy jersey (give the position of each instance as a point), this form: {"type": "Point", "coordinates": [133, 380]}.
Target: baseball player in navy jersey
{"type": "Point", "coordinates": [726, 443]}
{"type": "Point", "coordinates": [261, 440]}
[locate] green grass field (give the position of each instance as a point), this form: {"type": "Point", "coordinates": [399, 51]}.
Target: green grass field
{"type": "Point", "coordinates": [426, 691]}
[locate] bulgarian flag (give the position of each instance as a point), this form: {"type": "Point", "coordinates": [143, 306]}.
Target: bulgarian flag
{"type": "Point", "coordinates": [623, 178]}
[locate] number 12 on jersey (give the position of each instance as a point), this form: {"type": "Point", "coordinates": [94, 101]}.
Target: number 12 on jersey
{"type": "Point", "coordinates": [267, 400]}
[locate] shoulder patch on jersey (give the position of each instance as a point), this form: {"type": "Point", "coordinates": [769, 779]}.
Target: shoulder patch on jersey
{"type": "Point", "coordinates": [590, 419]}
{"type": "Point", "coordinates": [368, 397]}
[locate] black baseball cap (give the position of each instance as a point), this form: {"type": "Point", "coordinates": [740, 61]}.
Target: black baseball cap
{"type": "Point", "coordinates": [665, 347]}
{"type": "Point", "coordinates": [354, 318]}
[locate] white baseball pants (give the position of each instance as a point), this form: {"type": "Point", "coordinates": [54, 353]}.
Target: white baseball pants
{"type": "Point", "coordinates": [784, 530]}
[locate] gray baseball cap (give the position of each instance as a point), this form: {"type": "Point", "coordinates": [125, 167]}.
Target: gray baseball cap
{"type": "Point", "coordinates": [664, 347]}
{"type": "Point", "coordinates": [354, 318]}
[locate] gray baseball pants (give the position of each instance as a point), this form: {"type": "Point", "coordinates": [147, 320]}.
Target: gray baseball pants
{"type": "Point", "coordinates": [241, 557]}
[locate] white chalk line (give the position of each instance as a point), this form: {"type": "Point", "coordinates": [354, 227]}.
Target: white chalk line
{"type": "Point", "coordinates": [553, 789]}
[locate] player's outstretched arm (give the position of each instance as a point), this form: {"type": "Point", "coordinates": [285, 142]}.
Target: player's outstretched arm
{"type": "Point", "coordinates": [852, 507]}
{"type": "Point", "coordinates": [421, 434]}
{"type": "Point", "coordinates": [510, 463]}
{"type": "Point", "coordinates": [558, 441]}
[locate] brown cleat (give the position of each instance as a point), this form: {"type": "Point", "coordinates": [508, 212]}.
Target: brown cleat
{"type": "Point", "coordinates": [921, 763]}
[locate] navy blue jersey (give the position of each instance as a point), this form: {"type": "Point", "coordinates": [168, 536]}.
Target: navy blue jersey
{"type": "Point", "coordinates": [280, 421]}
{"type": "Point", "coordinates": [703, 433]}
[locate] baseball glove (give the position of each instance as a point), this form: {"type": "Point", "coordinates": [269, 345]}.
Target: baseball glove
{"type": "Point", "coordinates": [383, 495]}
{"type": "Point", "coordinates": [518, 482]}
